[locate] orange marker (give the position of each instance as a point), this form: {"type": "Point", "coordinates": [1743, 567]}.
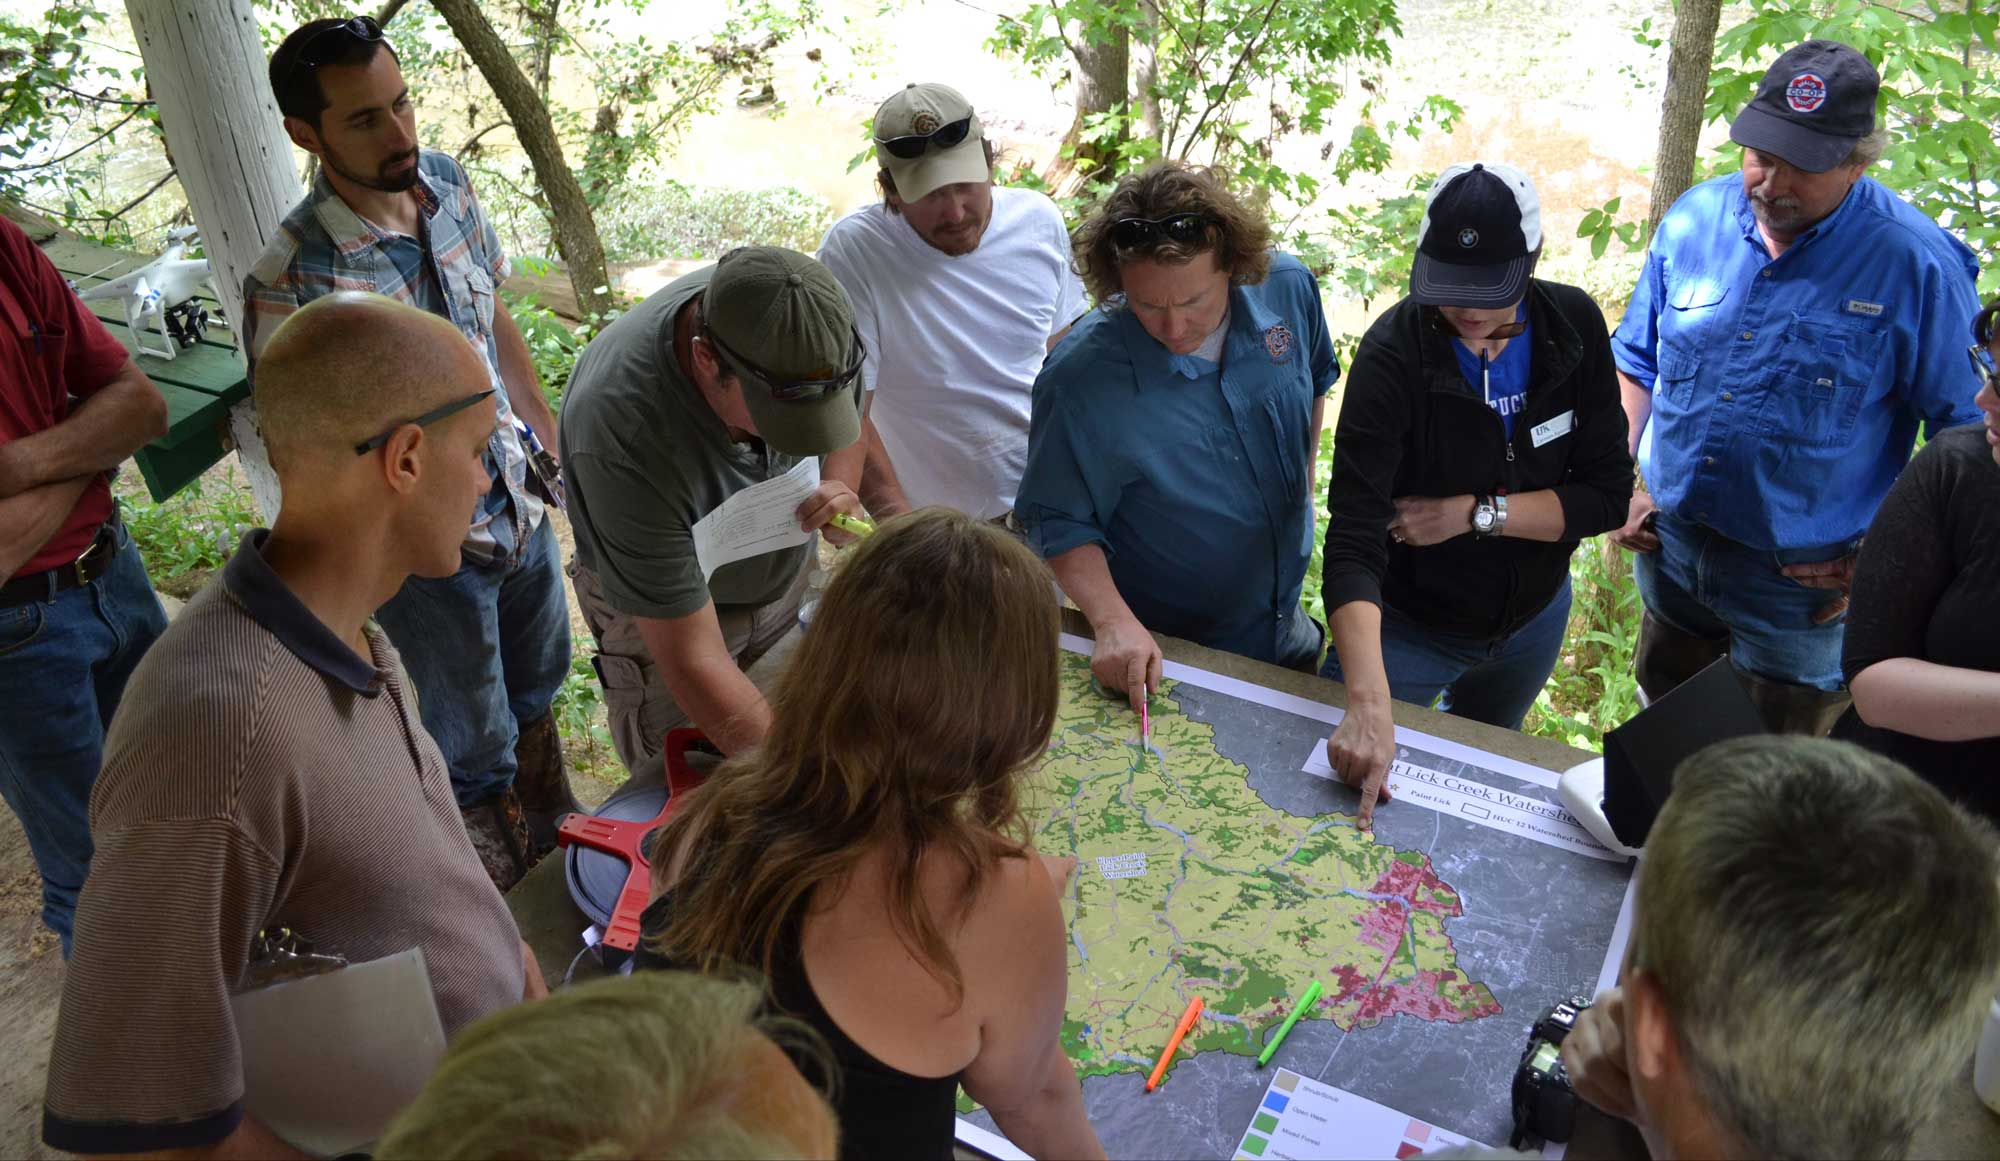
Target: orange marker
{"type": "Point", "coordinates": [1174, 1043]}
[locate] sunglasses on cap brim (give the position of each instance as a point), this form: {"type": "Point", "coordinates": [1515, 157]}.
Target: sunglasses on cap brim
{"type": "Point", "coordinates": [318, 48]}
{"type": "Point", "coordinates": [788, 390]}
{"type": "Point", "coordinates": [911, 147]}
{"type": "Point", "coordinates": [1181, 229]}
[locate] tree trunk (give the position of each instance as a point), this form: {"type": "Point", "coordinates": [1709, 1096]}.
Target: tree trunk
{"type": "Point", "coordinates": [1099, 88]}
{"type": "Point", "coordinates": [542, 17]}
{"type": "Point", "coordinates": [575, 230]}
{"type": "Point", "coordinates": [205, 67]}
{"type": "Point", "coordinates": [1146, 73]}
{"type": "Point", "coordinates": [1688, 60]}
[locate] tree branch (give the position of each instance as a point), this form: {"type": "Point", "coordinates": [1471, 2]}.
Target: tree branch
{"type": "Point", "coordinates": [473, 140]}
{"type": "Point", "coordinates": [72, 153]}
{"type": "Point", "coordinates": [1229, 82]}
{"type": "Point", "coordinates": [101, 99]}
{"type": "Point", "coordinates": [150, 191]}
{"type": "Point", "coordinates": [388, 11]}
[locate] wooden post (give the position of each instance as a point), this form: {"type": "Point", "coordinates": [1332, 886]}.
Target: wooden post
{"type": "Point", "coordinates": [206, 64]}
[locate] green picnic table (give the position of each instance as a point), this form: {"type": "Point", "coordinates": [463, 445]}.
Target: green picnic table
{"type": "Point", "coordinates": [200, 386]}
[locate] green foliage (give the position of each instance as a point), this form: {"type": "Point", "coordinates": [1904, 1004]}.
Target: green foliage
{"type": "Point", "coordinates": [1593, 687]}
{"type": "Point", "coordinates": [676, 220]}
{"type": "Point", "coordinates": [579, 705]}
{"type": "Point", "coordinates": [553, 342]}
{"type": "Point", "coordinates": [1940, 97]}
{"type": "Point", "coordinates": [1600, 225]}
{"type": "Point", "coordinates": [194, 530]}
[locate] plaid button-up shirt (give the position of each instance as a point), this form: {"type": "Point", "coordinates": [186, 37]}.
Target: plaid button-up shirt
{"type": "Point", "coordinates": [451, 269]}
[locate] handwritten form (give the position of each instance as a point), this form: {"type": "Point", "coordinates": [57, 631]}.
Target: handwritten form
{"type": "Point", "coordinates": [761, 518]}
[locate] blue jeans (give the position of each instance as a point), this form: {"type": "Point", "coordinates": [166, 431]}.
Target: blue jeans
{"type": "Point", "coordinates": [486, 649]}
{"type": "Point", "coordinates": [63, 666]}
{"type": "Point", "coordinates": [1491, 680]}
{"type": "Point", "coordinates": [1707, 585]}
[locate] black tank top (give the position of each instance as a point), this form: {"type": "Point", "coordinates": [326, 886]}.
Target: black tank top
{"type": "Point", "coordinates": [884, 1112]}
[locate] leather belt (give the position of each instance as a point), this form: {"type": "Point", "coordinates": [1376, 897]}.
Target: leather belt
{"type": "Point", "coordinates": [92, 563]}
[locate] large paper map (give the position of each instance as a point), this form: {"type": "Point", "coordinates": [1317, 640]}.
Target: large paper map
{"type": "Point", "coordinates": [1214, 863]}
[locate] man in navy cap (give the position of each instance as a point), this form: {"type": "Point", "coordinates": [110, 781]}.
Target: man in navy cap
{"type": "Point", "coordinates": [1788, 333]}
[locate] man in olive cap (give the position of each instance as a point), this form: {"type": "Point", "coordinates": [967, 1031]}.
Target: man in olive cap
{"type": "Point", "coordinates": [1789, 331]}
{"type": "Point", "coordinates": [725, 379]}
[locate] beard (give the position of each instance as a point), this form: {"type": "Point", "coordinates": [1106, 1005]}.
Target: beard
{"type": "Point", "coordinates": [960, 241]}
{"type": "Point", "coordinates": [385, 179]}
{"type": "Point", "coordinates": [1779, 215]}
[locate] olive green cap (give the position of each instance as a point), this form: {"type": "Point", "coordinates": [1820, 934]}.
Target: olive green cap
{"type": "Point", "coordinates": [785, 313]}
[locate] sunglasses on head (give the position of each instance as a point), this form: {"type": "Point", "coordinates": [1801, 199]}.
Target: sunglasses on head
{"type": "Point", "coordinates": [424, 420]}
{"type": "Point", "coordinates": [318, 48]}
{"type": "Point", "coordinates": [912, 146]}
{"type": "Point", "coordinates": [1981, 352]}
{"type": "Point", "coordinates": [1182, 229]}
{"type": "Point", "coordinates": [782, 389]}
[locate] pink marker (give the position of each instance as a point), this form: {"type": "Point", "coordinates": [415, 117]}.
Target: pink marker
{"type": "Point", "coordinates": [1145, 721]}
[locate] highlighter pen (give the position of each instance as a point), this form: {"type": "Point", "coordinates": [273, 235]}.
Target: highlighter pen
{"type": "Point", "coordinates": [854, 524]}
{"type": "Point", "coordinates": [1174, 1042]}
{"type": "Point", "coordinates": [1312, 994]}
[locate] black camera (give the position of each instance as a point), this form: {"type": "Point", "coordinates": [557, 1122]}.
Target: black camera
{"type": "Point", "coordinates": [1544, 1101]}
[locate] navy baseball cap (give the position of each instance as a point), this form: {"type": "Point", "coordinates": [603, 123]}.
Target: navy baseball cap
{"type": "Point", "coordinates": [1481, 231]}
{"type": "Point", "coordinates": [1813, 104]}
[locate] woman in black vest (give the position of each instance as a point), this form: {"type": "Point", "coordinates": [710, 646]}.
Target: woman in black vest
{"type": "Point", "coordinates": [1480, 438]}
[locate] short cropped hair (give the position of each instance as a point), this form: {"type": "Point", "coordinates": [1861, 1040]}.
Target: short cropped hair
{"type": "Point", "coordinates": [635, 1066]}
{"type": "Point", "coordinates": [1825, 927]}
{"type": "Point", "coordinates": [296, 86]}
{"type": "Point", "coordinates": [1239, 235]}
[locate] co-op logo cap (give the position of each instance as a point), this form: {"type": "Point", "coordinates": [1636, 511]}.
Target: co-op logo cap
{"type": "Point", "coordinates": [1481, 231]}
{"type": "Point", "coordinates": [1813, 104]}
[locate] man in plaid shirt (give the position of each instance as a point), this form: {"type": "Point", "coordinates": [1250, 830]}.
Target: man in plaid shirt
{"type": "Point", "coordinates": [488, 647]}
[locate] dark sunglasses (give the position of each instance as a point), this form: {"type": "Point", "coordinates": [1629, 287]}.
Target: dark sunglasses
{"type": "Point", "coordinates": [314, 52]}
{"type": "Point", "coordinates": [1181, 229]}
{"type": "Point", "coordinates": [786, 390]}
{"type": "Point", "coordinates": [424, 420]}
{"type": "Point", "coordinates": [912, 147]}
{"type": "Point", "coordinates": [1442, 325]}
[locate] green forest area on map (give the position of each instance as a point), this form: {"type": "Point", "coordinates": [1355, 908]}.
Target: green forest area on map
{"type": "Point", "coordinates": [1220, 895]}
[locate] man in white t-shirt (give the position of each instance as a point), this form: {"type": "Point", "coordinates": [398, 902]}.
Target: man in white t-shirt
{"type": "Point", "coordinates": [959, 290]}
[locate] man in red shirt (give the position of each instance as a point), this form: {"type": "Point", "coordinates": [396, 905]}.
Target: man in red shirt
{"type": "Point", "coordinates": [76, 609]}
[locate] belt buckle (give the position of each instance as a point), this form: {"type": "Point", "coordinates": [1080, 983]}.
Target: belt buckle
{"type": "Point", "coordinates": [96, 542]}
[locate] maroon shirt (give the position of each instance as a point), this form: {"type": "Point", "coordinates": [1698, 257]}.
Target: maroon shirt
{"type": "Point", "coordinates": [51, 349]}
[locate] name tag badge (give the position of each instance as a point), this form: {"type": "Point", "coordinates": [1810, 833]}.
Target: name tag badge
{"type": "Point", "coordinates": [1864, 309]}
{"type": "Point", "coordinates": [1555, 428]}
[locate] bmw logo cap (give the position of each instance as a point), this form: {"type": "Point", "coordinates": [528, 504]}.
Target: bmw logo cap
{"type": "Point", "coordinates": [1481, 233]}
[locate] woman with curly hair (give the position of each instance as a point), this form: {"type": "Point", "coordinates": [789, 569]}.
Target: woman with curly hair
{"type": "Point", "coordinates": [1170, 448]}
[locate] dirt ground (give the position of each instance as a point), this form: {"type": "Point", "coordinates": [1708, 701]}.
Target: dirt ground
{"type": "Point", "coordinates": [31, 975]}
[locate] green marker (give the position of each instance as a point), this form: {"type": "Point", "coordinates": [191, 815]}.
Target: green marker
{"type": "Point", "coordinates": [1312, 993]}
{"type": "Point", "coordinates": [854, 524]}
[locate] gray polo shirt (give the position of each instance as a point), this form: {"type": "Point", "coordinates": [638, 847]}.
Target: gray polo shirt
{"type": "Point", "coordinates": [645, 457]}
{"type": "Point", "coordinates": [259, 774]}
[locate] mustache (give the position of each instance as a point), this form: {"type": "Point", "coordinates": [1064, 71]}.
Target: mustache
{"type": "Point", "coordinates": [1775, 203]}
{"type": "Point", "coordinates": [399, 159]}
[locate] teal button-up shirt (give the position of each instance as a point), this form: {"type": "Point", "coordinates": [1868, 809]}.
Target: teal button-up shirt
{"type": "Point", "coordinates": [1198, 488]}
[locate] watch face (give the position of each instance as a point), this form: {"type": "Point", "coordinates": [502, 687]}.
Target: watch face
{"type": "Point", "coordinates": [1482, 519]}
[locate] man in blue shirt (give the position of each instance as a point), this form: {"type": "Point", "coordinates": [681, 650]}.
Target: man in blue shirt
{"type": "Point", "coordinates": [1788, 333]}
{"type": "Point", "coordinates": [1170, 448]}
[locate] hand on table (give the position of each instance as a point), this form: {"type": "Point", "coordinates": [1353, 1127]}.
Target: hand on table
{"type": "Point", "coordinates": [830, 497]}
{"type": "Point", "coordinates": [1594, 1055]}
{"type": "Point", "coordinates": [1638, 534]}
{"type": "Point", "coordinates": [1424, 520]}
{"type": "Point", "coordinates": [1360, 749]}
{"type": "Point", "coordinates": [1126, 660]}
{"type": "Point", "coordinates": [1834, 575]}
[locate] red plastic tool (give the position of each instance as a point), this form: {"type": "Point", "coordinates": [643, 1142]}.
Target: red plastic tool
{"type": "Point", "coordinates": [626, 840]}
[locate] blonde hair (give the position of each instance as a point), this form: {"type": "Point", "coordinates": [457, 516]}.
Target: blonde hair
{"type": "Point", "coordinates": [1237, 233]}
{"type": "Point", "coordinates": [637, 1066]}
{"type": "Point", "coordinates": [925, 687]}
{"type": "Point", "coordinates": [1825, 927]}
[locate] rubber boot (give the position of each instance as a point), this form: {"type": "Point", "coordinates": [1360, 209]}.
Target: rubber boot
{"type": "Point", "coordinates": [542, 783]}
{"type": "Point", "coordinates": [500, 838]}
{"type": "Point", "coordinates": [1666, 657]}
{"type": "Point", "coordinates": [1795, 709]}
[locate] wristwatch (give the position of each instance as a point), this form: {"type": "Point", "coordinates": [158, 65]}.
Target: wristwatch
{"type": "Point", "coordinates": [1489, 515]}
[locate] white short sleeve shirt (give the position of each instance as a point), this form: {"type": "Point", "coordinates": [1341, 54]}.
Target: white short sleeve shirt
{"type": "Point", "coordinates": [955, 343]}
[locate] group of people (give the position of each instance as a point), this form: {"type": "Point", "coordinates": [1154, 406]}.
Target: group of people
{"type": "Point", "coordinates": [346, 734]}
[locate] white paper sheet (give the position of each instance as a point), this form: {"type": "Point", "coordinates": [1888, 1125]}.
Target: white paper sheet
{"type": "Point", "coordinates": [369, 1033]}
{"type": "Point", "coordinates": [761, 518]}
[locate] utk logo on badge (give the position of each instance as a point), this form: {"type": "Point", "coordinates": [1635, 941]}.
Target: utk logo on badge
{"type": "Point", "coordinates": [1805, 93]}
{"type": "Point", "coordinates": [1278, 341]}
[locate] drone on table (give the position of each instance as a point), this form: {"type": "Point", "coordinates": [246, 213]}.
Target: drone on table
{"type": "Point", "coordinates": [159, 297]}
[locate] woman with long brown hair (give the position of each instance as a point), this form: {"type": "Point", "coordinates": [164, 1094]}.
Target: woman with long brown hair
{"type": "Point", "coordinates": [869, 858]}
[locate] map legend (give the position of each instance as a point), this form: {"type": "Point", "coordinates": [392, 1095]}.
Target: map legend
{"type": "Point", "coordinates": [1302, 1119]}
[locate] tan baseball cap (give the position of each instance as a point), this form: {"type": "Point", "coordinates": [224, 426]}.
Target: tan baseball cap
{"type": "Point", "coordinates": [919, 111]}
